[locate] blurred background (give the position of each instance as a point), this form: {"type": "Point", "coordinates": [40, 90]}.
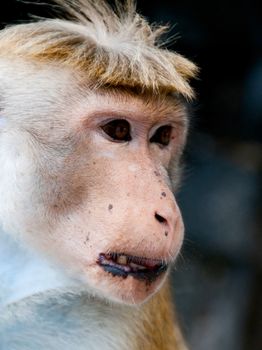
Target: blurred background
{"type": "Point", "coordinates": [218, 277]}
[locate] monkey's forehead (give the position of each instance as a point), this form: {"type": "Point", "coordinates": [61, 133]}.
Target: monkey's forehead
{"type": "Point", "coordinates": [111, 49]}
{"type": "Point", "coordinates": [34, 92]}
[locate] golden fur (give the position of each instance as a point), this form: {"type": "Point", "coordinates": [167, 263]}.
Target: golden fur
{"type": "Point", "coordinates": [112, 47]}
{"type": "Point", "coordinates": [161, 328]}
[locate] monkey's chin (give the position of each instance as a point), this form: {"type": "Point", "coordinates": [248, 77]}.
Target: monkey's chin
{"type": "Point", "coordinates": [127, 279]}
{"type": "Point", "coordinates": [128, 290]}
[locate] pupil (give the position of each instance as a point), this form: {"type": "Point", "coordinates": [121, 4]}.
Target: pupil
{"type": "Point", "coordinates": [121, 131]}
{"type": "Point", "coordinates": [165, 136]}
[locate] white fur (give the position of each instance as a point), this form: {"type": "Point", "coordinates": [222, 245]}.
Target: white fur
{"type": "Point", "coordinates": [41, 307]}
{"type": "Point", "coordinates": [3, 122]}
{"type": "Point", "coordinates": [17, 152]}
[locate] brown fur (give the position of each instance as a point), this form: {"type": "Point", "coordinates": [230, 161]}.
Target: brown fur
{"type": "Point", "coordinates": [129, 53]}
{"type": "Point", "coordinates": [161, 330]}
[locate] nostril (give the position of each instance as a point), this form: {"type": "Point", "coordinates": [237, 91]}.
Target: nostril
{"type": "Point", "coordinates": [160, 219]}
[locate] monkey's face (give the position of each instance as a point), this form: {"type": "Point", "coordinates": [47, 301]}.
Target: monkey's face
{"type": "Point", "coordinates": [101, 201]}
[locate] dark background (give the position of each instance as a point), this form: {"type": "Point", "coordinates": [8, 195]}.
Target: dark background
{"type": "Point", "coordinates": [218, 277]}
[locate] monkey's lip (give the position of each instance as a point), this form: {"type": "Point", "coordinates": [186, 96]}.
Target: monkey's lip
{"type": "Point", "coordinates": [119, 264]}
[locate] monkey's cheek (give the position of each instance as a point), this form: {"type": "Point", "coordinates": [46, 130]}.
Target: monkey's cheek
{"type": "Point", "coordinates": [125, 290]}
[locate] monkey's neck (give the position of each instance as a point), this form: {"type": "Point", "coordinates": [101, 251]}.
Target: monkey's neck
{"type": "Point", "coordinates": [42, 308]}
{"type": "Point", "coordinates": [24, 273]}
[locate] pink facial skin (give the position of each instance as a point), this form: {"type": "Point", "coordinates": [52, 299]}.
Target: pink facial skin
{"type": "Point", "coordinates": [102, 196]}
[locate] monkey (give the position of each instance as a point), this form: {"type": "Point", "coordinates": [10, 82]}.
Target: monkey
{"type": "Point", "coordinates": [93, 123]}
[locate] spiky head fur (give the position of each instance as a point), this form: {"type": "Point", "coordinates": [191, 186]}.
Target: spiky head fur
{"type": "Point", "coordinates": [112, 46]}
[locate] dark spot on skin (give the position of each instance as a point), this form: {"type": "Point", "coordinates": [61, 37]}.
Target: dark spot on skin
{"type": "Point", "coordinates": [156, 173]}
{"type": "Point", "coordinates": [163, 194]}
{"type": "Point", "coordinates": [166, 233]}
{"type": "Point", "coordinates": [87, 238]}
{"type": "Point", "coordinates": [89, 211]}
{"type": "Point", "coordinates": [128, 194]}
{"type": "Point", "coordinates": [94, 163]}
{"type": "Point", "coordinates": [110, 207]}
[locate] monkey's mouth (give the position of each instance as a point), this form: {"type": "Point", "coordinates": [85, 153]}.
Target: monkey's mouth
{"type": "Point", "coordinates": [127, 265]}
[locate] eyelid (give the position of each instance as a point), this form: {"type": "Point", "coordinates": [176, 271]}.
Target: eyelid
{"type": "Point", "coordinates": [111, 119]}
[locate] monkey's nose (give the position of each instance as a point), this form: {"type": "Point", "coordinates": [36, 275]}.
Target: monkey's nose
{"type": "Point", "coordinates": [160, 219]}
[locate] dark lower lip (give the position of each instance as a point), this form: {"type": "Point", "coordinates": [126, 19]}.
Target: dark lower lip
{"type": "Point", "coordinates": [149, 274]}
{"type": "Point", "coordinates": [145, 275]}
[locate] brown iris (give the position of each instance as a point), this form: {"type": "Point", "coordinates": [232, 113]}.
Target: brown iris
{"type": "Point", "coordinates": [118, 130]}
{"type": "Point", "coordinates": [162, 135]}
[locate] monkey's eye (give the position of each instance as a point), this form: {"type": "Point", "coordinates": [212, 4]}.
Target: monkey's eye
{"type": "Point", "coordinates": [118, 130]}
{"type": "Point", "coordinates": [162, 135]}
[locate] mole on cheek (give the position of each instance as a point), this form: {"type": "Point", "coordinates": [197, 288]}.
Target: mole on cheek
{"type": "Point", "coordinates": [166, 233]}
{"type": "Point", "coordinates": [110, 207]}
{"type": "Point", "coordinates": [87, 238]}
{"type": "Point", "coordinates": [163, 194]}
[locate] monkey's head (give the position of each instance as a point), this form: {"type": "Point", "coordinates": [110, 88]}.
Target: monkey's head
{"type": "Point", "coordinates": [91, 136]}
